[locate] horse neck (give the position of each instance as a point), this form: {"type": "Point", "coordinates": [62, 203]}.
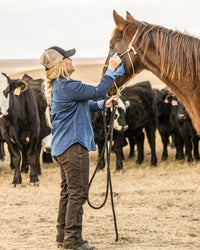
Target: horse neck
{"type": "Point", "coordinates": [187, 90]}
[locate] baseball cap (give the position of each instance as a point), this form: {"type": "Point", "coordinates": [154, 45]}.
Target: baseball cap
{"type": "Point", "coordinates": [53, 55]}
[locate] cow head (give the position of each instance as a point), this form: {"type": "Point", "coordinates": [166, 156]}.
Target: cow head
{"type": "Point", "coordinates": [14, 85]}
{"type": "Point", "coordinates": [120, 123]}
{"type": "Point", "coordinates": [182, 113]}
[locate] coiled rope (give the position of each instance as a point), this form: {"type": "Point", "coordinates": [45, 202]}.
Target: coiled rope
{"type": "Point", "coordinates": [108, 134]}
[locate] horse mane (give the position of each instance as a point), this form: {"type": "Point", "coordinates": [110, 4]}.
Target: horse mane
{"type": "Point", "coordinates": [179, 53]}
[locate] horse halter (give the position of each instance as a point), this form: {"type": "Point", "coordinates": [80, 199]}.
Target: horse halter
{"type": "Point", "coordinates": [130, 48]}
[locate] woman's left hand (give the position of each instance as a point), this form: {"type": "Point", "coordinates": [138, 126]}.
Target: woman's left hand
{"type": "Point", "coordinates": [109, 102]}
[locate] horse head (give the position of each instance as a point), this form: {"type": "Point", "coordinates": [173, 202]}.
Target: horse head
{"type": "Point", "coordinates": [124, 41]}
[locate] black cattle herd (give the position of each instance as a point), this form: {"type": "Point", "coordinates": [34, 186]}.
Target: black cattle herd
{"type": "Point", "coordinates": [142, 110]}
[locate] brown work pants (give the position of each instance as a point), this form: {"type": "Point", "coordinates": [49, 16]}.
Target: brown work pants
{"type": "Point", "coordinates": [74, 166]}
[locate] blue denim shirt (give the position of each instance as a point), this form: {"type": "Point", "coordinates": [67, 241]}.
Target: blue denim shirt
{"type": "Point", "coordinates": [70, 112]}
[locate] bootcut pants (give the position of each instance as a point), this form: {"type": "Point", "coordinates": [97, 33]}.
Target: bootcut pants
{"type": "Point", "coordinates": [74, 168]}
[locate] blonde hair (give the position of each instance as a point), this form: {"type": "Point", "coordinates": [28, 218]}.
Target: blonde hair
{"type": "Point", "coordinates": [58, 71]}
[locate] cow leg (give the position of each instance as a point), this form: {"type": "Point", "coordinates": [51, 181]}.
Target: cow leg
{"type": "Point", "coordinates": [12, 166]}
{"type": "Point", "coordinates": [101, 161]}
{"type": "Point", "coordinates": [179, 147]}
{"type": "Point", "coordinates": [14, 152]}
{"type": "Point", "coordinates": [140, 147]}
{"type": "Point", "coordinates": [132, 145]}
{"type": "Point", "coordinates": [2, 151]}
{"type": "Point", "coordinates": [150, 131]}
{"type": "Point", "coordinates": [172, 145]}
{"type": "Point", "coordinates": [118, 149]}
{"type": "Point", "coordinates": [25, 164]}
{"type": "Point", "coordinates": [31, 156]}
{"type": "Point", "coordinates": [195, 141]}
{"type": "Point", "coordinates": [165, 140]}
{"type": "Point", "coordinates": [16, 159]}
{"type": "Point", "coordinates": [188, 146]}
{"type": "Point", "coordinates": [38, 151]}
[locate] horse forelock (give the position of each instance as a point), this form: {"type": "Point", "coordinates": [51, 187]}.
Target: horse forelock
{"type": "Point", "coordinates": [179, 53]}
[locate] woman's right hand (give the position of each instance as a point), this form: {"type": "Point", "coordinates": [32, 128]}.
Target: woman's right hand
{"type": "Point", "coordinates": [114, 62]}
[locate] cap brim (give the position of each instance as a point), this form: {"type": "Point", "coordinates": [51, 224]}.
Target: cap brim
{"type": "Point", "coordinates": [69, 53]}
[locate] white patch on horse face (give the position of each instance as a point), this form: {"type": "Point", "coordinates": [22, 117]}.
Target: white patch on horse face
{"type": "Point", "coordinates": [4, 102]}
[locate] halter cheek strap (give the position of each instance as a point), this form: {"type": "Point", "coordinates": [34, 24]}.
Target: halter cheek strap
{"type": "Point", "coordinates": [130, 48]}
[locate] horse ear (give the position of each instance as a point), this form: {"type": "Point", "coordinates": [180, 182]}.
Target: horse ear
{"type": "Point", "coordinates": [129, 17]}
{"type": "Point", "coordinates": [119, 20]}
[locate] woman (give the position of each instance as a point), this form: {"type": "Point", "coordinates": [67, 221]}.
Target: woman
{"type": "Point", "coordinates": [72, 137]}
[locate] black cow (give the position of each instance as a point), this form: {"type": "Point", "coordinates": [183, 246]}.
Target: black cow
{"type": "Point", "coordinates": [173, 120]}
{"type": "Point", "coordinates": [38, 89]}
{"type": "Point", "coordinates": [98, 127]}
{"type": "Point", "coordinates": [167, 122]}
{"type": "Point", "coordinates": [140, 114]}
{"type": "Point", "coordinates": [20, 126]}
{"type": "Point", "coordinates": [188, 134]}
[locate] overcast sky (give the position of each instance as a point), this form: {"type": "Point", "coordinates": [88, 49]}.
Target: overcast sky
{"type": "Point", "coordinates": [28, 27]}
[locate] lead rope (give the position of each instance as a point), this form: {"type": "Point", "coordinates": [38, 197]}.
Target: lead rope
{"type": "Point", "coordinates": [108, 153]}
{"type": "Point", "coordinates": [110, 131]}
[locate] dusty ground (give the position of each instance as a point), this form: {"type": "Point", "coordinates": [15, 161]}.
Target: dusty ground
{"type": "Point", "coordinates": [156, 208]}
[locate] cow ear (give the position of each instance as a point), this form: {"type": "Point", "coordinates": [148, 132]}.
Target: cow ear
{"type": "Point", "coordinates": [129, 17]}
{"type": "Point", "coordinates": [127, 104]}
{"type": "Point", "coordinates": [120, 22]}
{"type": "Point", "coordinates": [8, 78]}
{"type": "Point", "coordinates": [26, 78]}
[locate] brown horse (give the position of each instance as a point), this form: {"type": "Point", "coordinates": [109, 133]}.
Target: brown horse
{"type": "Point", "coordinates": [170, 55]}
